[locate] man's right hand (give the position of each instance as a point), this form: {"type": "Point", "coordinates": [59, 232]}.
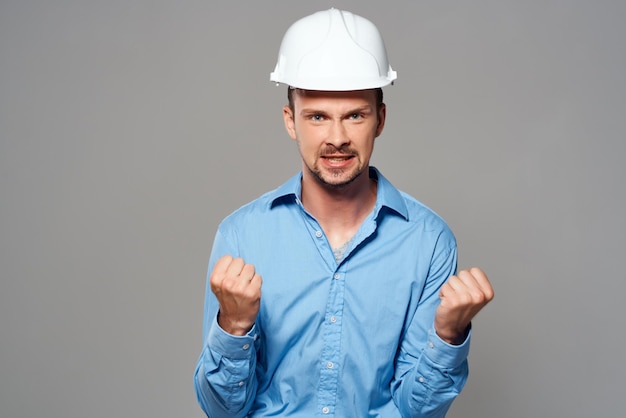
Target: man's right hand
{"type": "Point", "coordinates": [238, 290]}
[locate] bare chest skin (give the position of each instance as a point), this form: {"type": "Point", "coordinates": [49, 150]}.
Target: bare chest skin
{"type": "Point", "coordinates": [341, 216]}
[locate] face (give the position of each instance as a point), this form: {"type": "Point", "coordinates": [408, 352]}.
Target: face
{"type": "Point", "coordinates": [335, 132]}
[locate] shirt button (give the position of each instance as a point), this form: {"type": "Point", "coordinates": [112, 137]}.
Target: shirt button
{"type": "Point", "coordinates": [330, 365]}
{"type": "Point", "coordinates": [241, 384]}
{"type": "Point", "coordinates": [333, 319]}
{"type": "Point", "coordinates": [421, 379]}
{"type": "Point", "coordinates": [325, 410]}
{"type": "Point", "coordinates": [337, 276]}
{"type": "Point", "coordinates": [430, 344]}
{"type": "Point", "coordinates": [246, 346]}
{"type": "Point", "coordinates": [318, 234]}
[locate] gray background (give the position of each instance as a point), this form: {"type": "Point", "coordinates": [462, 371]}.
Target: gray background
{"type": "Point", "coordinates": [129, 129]}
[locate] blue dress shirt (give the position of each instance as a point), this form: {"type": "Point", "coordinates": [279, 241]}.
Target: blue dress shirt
{"type": "Point", "coordinates": [351, 339]}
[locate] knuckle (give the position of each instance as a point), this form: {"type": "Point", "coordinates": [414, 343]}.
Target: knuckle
{"type": "Point", "coordinates": [247, 270]}
{"type": "Point", "coordinates": [229, 284]}
{"type": "Point", "coordinates": [215, 279]}
{"type": "Point", "coordinates": [478, 298]}
{"type": "Point", "coordinates": [463, 273]}
{"type": "Point", "coordinates": [476, 271]}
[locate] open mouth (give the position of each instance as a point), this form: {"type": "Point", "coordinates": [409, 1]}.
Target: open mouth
{"type": "Point", "coordinates": [337, 161]}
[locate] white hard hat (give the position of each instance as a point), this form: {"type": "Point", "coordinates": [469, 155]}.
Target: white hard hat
{"type": "Point", "coordinates": [333, 50]}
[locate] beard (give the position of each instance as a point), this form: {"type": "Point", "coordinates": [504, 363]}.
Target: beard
{"type": "Point", "coordinates": [335, 178]}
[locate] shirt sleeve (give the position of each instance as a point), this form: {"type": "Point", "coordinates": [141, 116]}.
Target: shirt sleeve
{"type": "Point", "coordinates": [429, 372]}
{"type": "Point", "coordinates": [224, 379]}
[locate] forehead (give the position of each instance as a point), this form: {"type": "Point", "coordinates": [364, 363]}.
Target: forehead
{"type": "Point", "coordinates": [352, 97]}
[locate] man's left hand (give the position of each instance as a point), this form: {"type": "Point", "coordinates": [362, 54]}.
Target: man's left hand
{"type": "Point", "coordinates": [462, 297]}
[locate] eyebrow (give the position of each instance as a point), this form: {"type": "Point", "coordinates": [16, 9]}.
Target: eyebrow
{"type": "Point", "coordinates": [361, 109]}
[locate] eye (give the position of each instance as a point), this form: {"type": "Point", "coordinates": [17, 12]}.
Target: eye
{"type": "Point", "coordinates": [356, 116]}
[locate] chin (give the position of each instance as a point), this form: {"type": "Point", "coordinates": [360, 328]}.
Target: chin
{"type": "Point", "coordinates": [338, 179]}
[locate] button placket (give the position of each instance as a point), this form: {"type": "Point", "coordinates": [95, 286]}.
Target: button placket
{"type": "Point", "coordinates": [331, 352]}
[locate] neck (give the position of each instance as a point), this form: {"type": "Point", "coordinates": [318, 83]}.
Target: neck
{"type": "Point", "coordinates": [339, 210]}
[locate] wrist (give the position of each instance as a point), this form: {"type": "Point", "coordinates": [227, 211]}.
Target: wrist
{"type": "Point", "coordinates": [233, 327]}
{"type": "Point", "coordinates": [453, 337]}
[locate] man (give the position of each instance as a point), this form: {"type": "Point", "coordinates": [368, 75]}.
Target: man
{"type": "Point", "coordinates": [335, 294]}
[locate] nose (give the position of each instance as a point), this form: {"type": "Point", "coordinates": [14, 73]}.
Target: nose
{"type": "Point", "coordinates": [337, 135]}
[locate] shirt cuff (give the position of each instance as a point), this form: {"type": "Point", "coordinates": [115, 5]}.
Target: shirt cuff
{"type": "Point", "coordinates": [444, 354]}
{"type": "Point", "coordinates": [231, 346]}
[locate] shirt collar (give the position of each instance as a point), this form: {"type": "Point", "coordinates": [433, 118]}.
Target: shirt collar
{"type": "Point", "coordinates": [387, 195]}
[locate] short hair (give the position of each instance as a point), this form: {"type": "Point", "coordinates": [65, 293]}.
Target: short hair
{"type": "Point", "coordinates": [290, 91]}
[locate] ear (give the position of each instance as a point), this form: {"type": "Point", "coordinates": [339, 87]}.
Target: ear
{"type": "Point", "coordinates": [382, 114]}
{"type": "Point", "coordinates": [290, 124]}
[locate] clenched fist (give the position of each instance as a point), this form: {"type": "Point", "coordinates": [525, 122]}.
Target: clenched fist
{"type": "Point", "coordinates": [462, 297]}
{"type": "Point", "coordinates": [237, 288]}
